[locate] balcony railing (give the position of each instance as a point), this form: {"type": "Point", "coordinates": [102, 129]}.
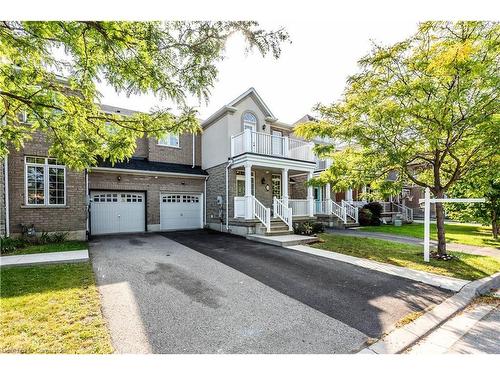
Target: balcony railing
{"type": "Point", "coordinates": [271, 145]}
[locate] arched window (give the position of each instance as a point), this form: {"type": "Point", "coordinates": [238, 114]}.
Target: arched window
{"type": "Point", "coordinates": [249, 121]}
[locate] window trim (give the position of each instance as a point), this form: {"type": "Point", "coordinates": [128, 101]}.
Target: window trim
{"type": "Point", "coordinates": [46, 166]}
{"type": "Point", "coordinates": [167, 135]}
{"type": "Point", "coordinates": [241, 177]}
{"type": "Point", "coordinates": [255, 125]}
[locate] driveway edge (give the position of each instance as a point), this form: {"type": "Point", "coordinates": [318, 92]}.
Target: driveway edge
{"type": "Point", "coordinates": [444, 282]}
{"type": "Point", "coordinates": [402, 338]}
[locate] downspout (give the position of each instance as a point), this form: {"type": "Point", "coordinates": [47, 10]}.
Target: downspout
{"type": "Point", "coordinates": [205, 202]}
{"type": "Point", "coordinates": [6, 196]}
{"type": "Point", "coordinates": [227, 194]}
{"type": "Point", "coordinates": [194, 146]}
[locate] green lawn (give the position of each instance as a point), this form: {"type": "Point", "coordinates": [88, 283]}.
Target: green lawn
{"type": "Point", "coordinates": [468, 267]}
{"type": "Point", "coordinates": [51, 309]}
{"type": "Point", "coordinates": [467, 234]}
{"type": "Point", "coordinates": [50, 248]}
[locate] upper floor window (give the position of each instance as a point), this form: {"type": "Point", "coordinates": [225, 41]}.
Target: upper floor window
{"type": "Point", "coordinates": [45, 181]}
{"type": "Point", "coordinates": [171, 140]}
{"type": "Point", "coordinates": [249, 121]}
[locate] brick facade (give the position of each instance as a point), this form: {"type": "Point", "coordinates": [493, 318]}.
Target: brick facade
{"type": "Point", "coordinates": [298, 190]}
{"type": "Point", "coordinates": [182, 154]}
{"type": "Point", "coordinates": [152, 185]}
{"type": "Point", "coordinates": [69, 218]}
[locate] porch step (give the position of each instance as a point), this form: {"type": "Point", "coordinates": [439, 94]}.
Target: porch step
{"type": "Point", "coordinates": [283, 240]}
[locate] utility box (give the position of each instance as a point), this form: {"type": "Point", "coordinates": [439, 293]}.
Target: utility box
{"type": "Point", "coordinates": [398, 220]}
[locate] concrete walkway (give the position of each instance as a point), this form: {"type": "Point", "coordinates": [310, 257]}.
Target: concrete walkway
{"type": "Point", "coordinates": [45, 258]}
{"type": "Point", "coordinates": [444, 282]}
{"type": "Point", "coordinates": [474, 331]}
{"type": "Point", "coordinates": [469, 249]}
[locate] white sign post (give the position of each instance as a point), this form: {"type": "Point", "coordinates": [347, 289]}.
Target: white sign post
{"type": "Point", "coordinates": [427, 215]}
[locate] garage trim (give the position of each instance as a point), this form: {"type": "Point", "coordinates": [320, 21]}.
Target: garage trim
{"type": "Point", "coordinates": [202, 203]}
{"type": "Point", "coordinates": [145, 192]}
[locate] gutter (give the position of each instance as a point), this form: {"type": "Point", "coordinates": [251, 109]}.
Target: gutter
{"type": "Point", "coordinates": [140, 172]}
{"type": "Point", "coordinates": [6, 196]}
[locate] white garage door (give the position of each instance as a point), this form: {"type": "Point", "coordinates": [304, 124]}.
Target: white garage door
{"type": "Point", "coordinates": [180, 211]}
{"type": "Point", "coordinates": [117, 212]}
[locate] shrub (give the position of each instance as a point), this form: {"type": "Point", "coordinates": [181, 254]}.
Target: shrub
{"type": "Point", "coordinates": [308, 227]}
{"type": "Point", "coordinates": [58, 237]}
{"type": "Point", "coordinates": [318, 227]}
{"type": "Point", "coordinates": [365, 217]}
{"type": "Point", "coordinates": [376, 211]}
{"type": "Point", "coordinates": [9, 244]}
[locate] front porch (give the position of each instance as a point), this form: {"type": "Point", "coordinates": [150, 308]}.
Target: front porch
{"type": "Point", "coordinates": [261, 195]}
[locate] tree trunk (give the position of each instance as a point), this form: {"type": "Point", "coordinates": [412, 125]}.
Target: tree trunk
{"type": "Point", "coordinates": [440, 226]}
{"type": "Point", "coordinates": [494, 223]}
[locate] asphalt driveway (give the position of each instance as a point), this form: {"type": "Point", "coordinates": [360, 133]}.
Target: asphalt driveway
{"type": "Point", "coordinates": [208, 292]}
{"type": "Point", "coordinates": [159, 296]}
{"type": "Point", "coordinates": [369, 301]}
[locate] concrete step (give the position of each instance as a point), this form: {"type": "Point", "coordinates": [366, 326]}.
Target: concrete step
{"type": "Point", "coordinates": [279, 232]}
{"type": "Point", "coordinates": [283, 240]}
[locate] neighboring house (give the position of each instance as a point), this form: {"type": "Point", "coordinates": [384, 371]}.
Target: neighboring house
{"type": "Point", "coordinates": [246, 173]}
{"type": "Point", "coordinates": [3, 219]}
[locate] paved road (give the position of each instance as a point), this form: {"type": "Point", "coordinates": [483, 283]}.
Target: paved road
{"type": "Point", "coordinates": [469, 249]}
{"type": "Point", "coordinates": [159, 296]}
{"type": "Point", "coordinates": [367, 300]}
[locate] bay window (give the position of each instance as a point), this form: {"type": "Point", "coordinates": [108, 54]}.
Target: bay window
{"type": "Point", "coordinates": [45, 181]}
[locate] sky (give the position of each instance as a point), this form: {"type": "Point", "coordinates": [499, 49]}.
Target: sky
{"type": "Point", "coordinates": [328, 38]}
{"type": "Point", "coordinates": [312, 69]}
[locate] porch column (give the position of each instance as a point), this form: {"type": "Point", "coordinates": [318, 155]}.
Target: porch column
{"type": "Point", "coordinates": [284, 186]}
{"type": "Point", "coordinates": [248, 192]}
{"type": "Point", "coordinates": [328, 191]}
{"type": "Point", "coordinates": [348, 195]}
{"type": "Point", "coordinates": [310, 196]}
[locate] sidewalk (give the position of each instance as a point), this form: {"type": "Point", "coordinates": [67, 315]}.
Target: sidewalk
{"type": "Point", "coordinates": [45, 258]}
{"type": "Point", "coordinates": [474, 331]}
{"type": "Point", "coordinates": [469, 249]}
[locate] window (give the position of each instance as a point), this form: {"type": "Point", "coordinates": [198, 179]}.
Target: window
{"type": "Point", "coordinates": [170, 140]}
{"type": "Point", "coordinates": [22, 117]}
{"type": "Point", "coordinates": [45, 181]}
{"type": "Point", "coordinates": [240, 183]}
{"type": "Point", "coordinates": [249, 121]}
{"type": "Point", "coordinates": [276, 179]}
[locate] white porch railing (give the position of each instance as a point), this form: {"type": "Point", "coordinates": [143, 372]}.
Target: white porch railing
{"type": "Point", "coordinates": [329, 207]}
{"type": "Point", "coordinates": [262, 213]}
{"type": "Point", "coordinates": [283, 212]}
{"type": "Point", "coordinates": [350, 210]}
{"type": "Point", "coordinates": [407, 212]}
{"type": "Point", "coordinates": [271, 145]}
{"type": "Point", "coordinates": [299, 207]}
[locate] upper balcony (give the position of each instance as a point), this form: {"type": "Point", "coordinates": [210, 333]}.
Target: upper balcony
{"type": "Point", "coordinates": [271, 145]}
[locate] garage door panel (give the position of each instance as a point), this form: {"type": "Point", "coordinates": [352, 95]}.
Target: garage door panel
{"type": "Point", "coordinates": [180, 211]}
{"type": "Point", "coordinates": [117, 212]}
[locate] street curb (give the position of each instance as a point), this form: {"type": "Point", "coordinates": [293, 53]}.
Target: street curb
{"type": "Point", "coordinates": [401, 338]}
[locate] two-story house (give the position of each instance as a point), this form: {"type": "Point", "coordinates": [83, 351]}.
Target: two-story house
{"type": "Point", "coordinates": [245, 173]}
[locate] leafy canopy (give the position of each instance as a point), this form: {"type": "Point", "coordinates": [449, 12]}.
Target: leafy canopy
{"type": "Point", "coordinates": [171, 60]}
{"type": "Point", "coordinates": [424, 110]}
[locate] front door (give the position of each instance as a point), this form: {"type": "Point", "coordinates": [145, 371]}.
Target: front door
{"type": "Point", "coordinates": [318, 197]}
{"type": "Point", "coordinates": [277, 142]}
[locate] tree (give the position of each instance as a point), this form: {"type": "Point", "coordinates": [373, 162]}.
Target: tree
{"type": "Point", "coordinates": [482, 182]}
{"type": "Point", "coordinates": [172, 60]}
{"type": "Point", "coordinates": [425, 110]}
